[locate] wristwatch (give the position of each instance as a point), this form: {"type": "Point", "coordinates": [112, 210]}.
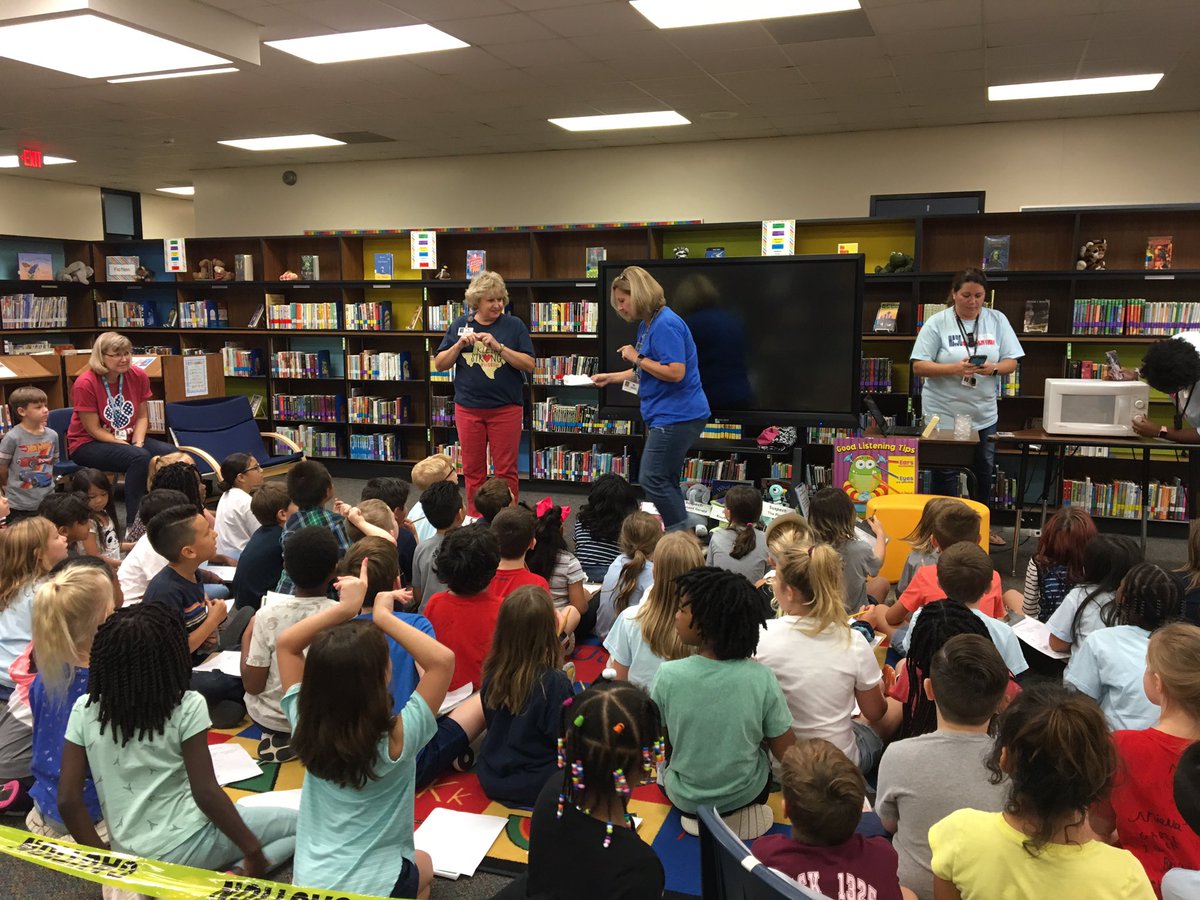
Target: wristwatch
{"type": "Point", "coordinates": [500, 348]}
{"type": "Point", "coordinates": [638, 362]}
{"type": "Point", "coordinates": [1162, 432]}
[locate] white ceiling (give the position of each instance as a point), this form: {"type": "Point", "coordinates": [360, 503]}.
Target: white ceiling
{"type": "Point", "coordinates": [894, 64]}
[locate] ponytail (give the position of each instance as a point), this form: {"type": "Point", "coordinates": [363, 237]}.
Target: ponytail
{"type": "Point", "coordinates": [747, 540]}
{"type": "Point", "coordinates": [639, 536]}
{"type": "Point", "coordinates": [67, 610]}
{"type": "Point", "coordinates": [232, 466]}
{"type": "Point", "coordinates": [816, 573]}
{"type": "Point", "coordinates": [744, 505]}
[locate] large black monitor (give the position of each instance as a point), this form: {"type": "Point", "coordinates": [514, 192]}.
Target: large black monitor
{"type": "Point", "coordinates": [778, 339]}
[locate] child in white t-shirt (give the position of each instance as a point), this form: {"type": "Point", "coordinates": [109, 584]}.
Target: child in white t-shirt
{"type": "Point", "coordinates": [1106, 560]}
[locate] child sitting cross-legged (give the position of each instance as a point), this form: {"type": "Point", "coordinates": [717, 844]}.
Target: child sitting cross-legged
{"type": "Point", "coordinates": [241, 476]}
{"type": "Point", "coordinates": [1056, 565]}
{"type": "Point", "coordinates": [102, 538]}
{"type": "Point", "coordinates": [261, 562]}
{"type": "Point", "coordinates": [144, 737]}
{"type": "Point", "coordinates": [740, 547]}
{"type": "Point", "coordinates": [632, 573]}
{"type": "Point", "coordinates": [722, 709]}
{"type": "Point", "coordinates": [823, 793]}
{"type": "Point", "coordinates": [355, 831]}
{"type": "Point", "coordinates": [1107, 559]}
{"type": "Point", "coordinates": [523, 692]}
{"type": "Point", "coordinates": [924, 779]}
{"type": "Point", "coordinates": [832, 518]}
{"type": "Point", "coordinates": [924, 549]}
{"type": "Point", "coordinates": [550, 558]}
{"type": "Point", "coordinates": [443, 508]}
{"type": "Point", "coordinates": [514, 529]}
{"type": "Point", "coordinates": [310, 488]}
{"type": "Point", "coordinates": [310, 559]}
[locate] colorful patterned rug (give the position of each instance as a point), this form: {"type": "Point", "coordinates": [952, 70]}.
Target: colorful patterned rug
{"type": "Point", "coordinates": [679, 852]}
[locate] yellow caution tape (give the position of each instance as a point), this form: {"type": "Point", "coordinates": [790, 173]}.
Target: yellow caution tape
{"type": "Point", "coordinates": [148, 876]}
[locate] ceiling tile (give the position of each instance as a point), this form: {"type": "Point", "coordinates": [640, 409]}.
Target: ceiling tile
{"type": "Point", "coordinates": [939, 40]}
{"type": "Point", "coordinates": [487, 31]}
{"type": "Point", "coordinates": [592, 19]}
{"type": "Point", "coordinates": [927, 16]}
{"type": "Point", "coordinates": [744, 60]}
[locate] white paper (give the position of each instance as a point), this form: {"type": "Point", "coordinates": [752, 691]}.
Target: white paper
{"type": "Point", "coordinates": [1037, 635]}
{"type": "Point", "coordinates": [175, 254]}
{"type": "Point", "coordinates": [227, 661]}
{"type": "Point", "coordinates": [453, 698]}
{"type": "Point", "coordinates": [6, 372]}
{"type": "Point", "coordinates": [195, 376]}
{"type": "Point", "coordinates": [457, 841]}
{"type": "Point", "coordinates": [225, 573]}
{"type": "Point", "coordinates": [700, 509]}
{"type": "Point", "coordinates": [272, 800]}
{"type": "Point", "coordinates": [577, 381]}
{"type": "Point", "coordinates": [143, 362]}
{"type": "Point", "coordinates": [232, 763]}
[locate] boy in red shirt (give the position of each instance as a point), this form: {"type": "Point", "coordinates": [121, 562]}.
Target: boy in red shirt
{"type": "Point", "coordinates": [514, 527]}
{"type": "Point", "coordinates": [464, 617]}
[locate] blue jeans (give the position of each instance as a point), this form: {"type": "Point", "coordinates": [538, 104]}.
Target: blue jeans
{"type": "Point", "coordinates": [133, 461]}
{"type": "Point", "coordinates": [983, 465]}
{"type": "Point", "coordinates": [662, 462]}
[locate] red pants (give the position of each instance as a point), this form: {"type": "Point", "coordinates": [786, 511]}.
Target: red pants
{"type": "Point", "coordinates": [480, 429]}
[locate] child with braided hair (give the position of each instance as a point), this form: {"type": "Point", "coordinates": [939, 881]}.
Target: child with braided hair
{"type": "Point", "coordinates": [720, 706]}
{"type": "Point", "coordinates": [144, 737]}
{"type": "Point", "coordinates": [1109, 665]}
{"type": "Point", "coordinates": [581, 840]}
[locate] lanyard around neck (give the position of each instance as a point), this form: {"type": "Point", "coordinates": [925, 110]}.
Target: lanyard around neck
{"type": "Point", "coordinates": [969, 339]}
{"type": "Point", "coordinates": [120, 387]}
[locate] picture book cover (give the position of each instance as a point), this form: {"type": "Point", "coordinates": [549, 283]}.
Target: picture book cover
{"type": "Point", "coordinates": [1159, 251]}
{"type": "Point", "coordinates": [885, 319]}
{"type": "Point", "coordinates": [476, 262]}
{"type": "Point", "coordinates": [310, 267]}
{"type": "Point", "coordinates": [593, 257]}
{"type": "Point", "coordinates": [383, 266]}
{"type": "Point", "coordinates": [1037, 316]}
{"type": "Point", "coordinates": [714, 252]}
{"type": "Point", "coordinates": [995, 252]}
{"type": "Point", "coordinates": [866, 467]}
{"type": "Point", "coordinates": [35, 267]}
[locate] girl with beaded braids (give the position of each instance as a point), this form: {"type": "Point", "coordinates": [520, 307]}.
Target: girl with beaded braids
{"type": "Point", "coordinates": [581, 840]}
{"type": "Point", "coordinates": [144, 736]}
{"type": "Point", "coordinates": [720, 706]}
{"type": "Point", "coordinates": [1109, 665]}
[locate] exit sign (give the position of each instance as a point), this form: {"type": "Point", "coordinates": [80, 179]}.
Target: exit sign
{"type": "Point", "coordinates": [31, 159]}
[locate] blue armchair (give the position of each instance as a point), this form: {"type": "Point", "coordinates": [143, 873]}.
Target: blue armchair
{"type": "Point", "coordinates": [212, 429]}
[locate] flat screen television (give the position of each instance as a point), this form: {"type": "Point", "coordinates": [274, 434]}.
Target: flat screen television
{"type": "Point", "coordinates": [778, 339]}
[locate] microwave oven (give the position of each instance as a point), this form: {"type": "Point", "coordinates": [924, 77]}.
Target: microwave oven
{"type": "Point", "coordinates": [1097, 408]}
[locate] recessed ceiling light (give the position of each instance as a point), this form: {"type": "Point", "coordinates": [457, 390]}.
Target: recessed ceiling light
{"type": "Point", "coordinates": [183, 191]}
{"type": "Point", "coordinates": [10, 162]}
{"type": "Point", "coordinates": [283, 142]}
{"type": "Point", "coordinates": [14, 162]}
{"type": "Point", "coordinates": [687, 13]}
{"type": "Point", "coordinates": [92, 47]}
{"type": "Point", "coordinates": [162, 75]}
{"type": "Point", "coordinates": [621, 120]}
{"type": "Point", "coordinates": [1076, 87]}
{"type": "Point", "coordinates": [373, 44]}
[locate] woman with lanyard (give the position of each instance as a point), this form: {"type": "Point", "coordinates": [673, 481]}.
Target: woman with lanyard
{"type": "Point", "coordinates": [108, 428]}
{"type": "Point", "coordinates": [959, 353]}
{"type": "Point", "coordinates": [495, 352]}
{"type": "Point", "coordinates": [666, 378]}
{"type": "Point", "coordinates": [1172, 366]}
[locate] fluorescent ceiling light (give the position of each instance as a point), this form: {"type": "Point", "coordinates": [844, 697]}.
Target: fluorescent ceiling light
{"type": "Point", "coordinates": [1076, 87]}
{"type": "Point", "coordinates": [92, 47]}
{"type": "Point", "coordinates": [185, 191]}
{"type": "Point", "coordinates": [621, 120]}
{"type": "Point", "coordinates": [159, 77]}
{"type": "Point", "coordinates": [283, 142]}
{"type": "Point", "coordinates": [686, 13]}
{"type": "Point", "coordinates": [14, 162]}
{"type": "Point", "coordinates": [373, 44]}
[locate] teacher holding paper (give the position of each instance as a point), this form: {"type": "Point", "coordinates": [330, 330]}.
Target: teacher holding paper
{"type": "Point", "coordinates": [666, 379]}
{"type": "Point", "coordinates": [960, 352]}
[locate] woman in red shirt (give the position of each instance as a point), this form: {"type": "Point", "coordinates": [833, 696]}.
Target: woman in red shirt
{"type": "Point", "coordinates": [108, 429]}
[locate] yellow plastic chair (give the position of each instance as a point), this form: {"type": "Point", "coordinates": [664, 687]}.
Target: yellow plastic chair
{"type": "Point", "coordinates": [899, 514]}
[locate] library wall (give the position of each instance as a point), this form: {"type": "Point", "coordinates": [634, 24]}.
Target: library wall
{"type": "Point", "coordinates": [167, 217]}
{"type": "Point", "coordinates": [1099, 161]}
{"type": "Point", "coordinates": [37, 208]}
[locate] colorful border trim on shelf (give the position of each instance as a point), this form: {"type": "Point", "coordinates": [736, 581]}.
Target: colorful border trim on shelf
{"type": "Point", "coordinates": [496, 229]}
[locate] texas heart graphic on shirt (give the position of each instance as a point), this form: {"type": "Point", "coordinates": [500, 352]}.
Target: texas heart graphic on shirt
{"type": "Point", "coordinates": [488, 360]}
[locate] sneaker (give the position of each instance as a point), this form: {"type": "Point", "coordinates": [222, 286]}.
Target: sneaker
{"type": "Point", "coordinates": [276, 748]}
{"type": "Point", "coordinates": [230, 633]}
{"type": "Point", "coordinates": [465, 761]}
{"type": "Point", "coordinates": [751, 821]}
{"type": "Point", "coordinates": [691, 825]}
{"type": "Point", "coordinates": [569, 670]}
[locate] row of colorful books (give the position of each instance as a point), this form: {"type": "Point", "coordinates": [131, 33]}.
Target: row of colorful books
{"type": "Point", "coordinates": [927, 311]}
{"type": "Point", "coordinates": [454, 451]}
{"type": "Point", "coordinates": [1088, 369]}
{"type": "Point", "coordinates": [301, 316]}
{"type": "Point", "coordinates": [380, 410]}
{"type": "Point", "coordinates": [1133, 316]}
{"type": "Point", "coordinates": [370, 365]}
{"type": "Point", "coordinates": [312, 441]}
{"type": "Point", "coordinates": [721, 430]}
{"type": "Point", "coordinates": [441, 411]}
{"type": "Point", "coordinates": [298, 364]}
{"type": "Point", "coordinates": [125, 314]}
{"type": "Point", "coordinates": [876, 374]}
{"type": "Point", "coordinates": [550, 415]}
{"type": "Point", "coordinates": [552, 369]}
{"type": "Point", "coordinates": [440, 317]}
{"type": "Point", "coordinates": [156, 415]}
{"type": "Point", "coordinates": [581, 466]}
{"type": "Point", "coordinates": [32, 311]}
{"type": "Point", "coordinates": [1009, 385]}
{"type": "Point", "coordinates": [1167, 500]}
{"type": "Point", "coordinates": [828, 435]}
{"type": "Point", "coordinates": [444, 376]}
{"type": "Point", "coordinates": [567, 317]}
{"type": "Point", "coordinates": [697, 469]}
{"type": "Point", "coordinates": [320, 407]}
{"type": "Point", "coordinates": [379, 447]}
{"type": "Point", "coordinates": [781, 471]}
{"type": "Point", "coordinates": [238, 362]}
{"type": "Point", "coordinates": [372, 316]}
{"type": "Point", "coordinates": [203, 314]}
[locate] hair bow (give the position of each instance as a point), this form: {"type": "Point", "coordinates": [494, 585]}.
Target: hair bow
{"type": "Point", "coordinates": [546, 504]}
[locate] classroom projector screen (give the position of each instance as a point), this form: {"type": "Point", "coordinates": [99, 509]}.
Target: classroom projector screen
{"type": "Point", "coordinates": [778, 339]}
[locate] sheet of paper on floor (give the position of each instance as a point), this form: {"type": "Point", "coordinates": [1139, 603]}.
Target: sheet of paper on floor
{"type": "Point", "coordinates": [232, 763]}
{"type": "Point", "coordinates": [457, 841]}
{"type": "Point", "coordinates": [1037, 635]}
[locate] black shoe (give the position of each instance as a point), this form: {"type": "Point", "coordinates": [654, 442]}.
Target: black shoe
{"type": "Point", "coordinates": [227, 714]}
{"type": "Point", "coordinates": [229, 636]}
{"type": "Point", "coordinates": [276, 748]}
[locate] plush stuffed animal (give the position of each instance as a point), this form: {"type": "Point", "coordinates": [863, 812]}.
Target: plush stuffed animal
{"type": "Point", "coordinates": [443, 274]}
{"type": "Point", "coordinates": [143, 274]}
{"type": "Point", "coordinates": [289, 275]}
{"type": "Point", "coordinates": [897, 262]}
{"type": "Point", "coordinates": [205, 273]}
{"type": "Point", "coordinates": [219, 272]}
{"type": "Point", "coordinates": [78, 271]}
{"type": "Point", "coordinates": [1091, 256]}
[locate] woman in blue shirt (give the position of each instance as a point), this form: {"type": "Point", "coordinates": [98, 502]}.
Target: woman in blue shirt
{"type": "Point", "coordinates": [960, 352]}
{"type": "Point", "coordinates": [666, 377]}
{"type": "Point", "coordinates": [495, 352]}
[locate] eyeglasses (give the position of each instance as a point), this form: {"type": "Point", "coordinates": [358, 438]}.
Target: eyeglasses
{"type": "Point", "coordinates": [254, 468]}
{"type": "Point", "coordinates": [123, 354]}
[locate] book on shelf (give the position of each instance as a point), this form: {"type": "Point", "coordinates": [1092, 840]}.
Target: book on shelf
{"type": "Point", "coordinates": [33, 311]}
{"type": "Point", "coordinates": [443, 376]}
{"type": "Point", "coordinates": [257, 402]}
{"type": "Point", "coordinates": [927, 311]}
{"type": "Point", "coordinates": [578, 418]}
{"type": "Point", "coordinates": [373, 316]}
{"type": "Point", "coordinates": [156, 416]}
{"type": "Point", "coordinates": [313, 441]}
{"type": "Point", "coordinates": [592, 257]}
{"type": "Point", "coordinates": [846, 247]}
{"type": "Point", "coordinates": [442, 315]}
{"type": "Point", "coordinates": [28, 348]}
{"type": "Point", "coordinates": [885, 319]}
{"type": "Point", "coordinates": [173, 318]}
{"type": "Point", "coordinates": [875, 374]}
{"type": "Point", "coordinates": [256, 319]}
{"type": "Point", "coordinates": [367, 410]}
{"type": "Point", "coordinates": [377, 447]}
{"type": "Point", "coordinates": [243, 267]}
{"type": "Point", "coordinates": [1159, 251]}
{"type": "Point", "coordinates": [1166, 500]}
{"type": "Point", "coordinates": [374, 365]}
{"type": "Point", "coordinates": [553, 369]}
{"type": "Point", "coordinates": [1037, 317]}
{"type": "Point", "coordinates": [320, 316]}
{"type": "Point", "coordinates": [476, 262]}
{"type": "Point", "coordinates": [560, 463]}
{"type": "Point", "coordinates": [301, 364]}
{"type": "Point", "coordinates": [414, 323]}
{"type": "Point", "coordinates": [569, 317]}
{"type": "Point", "coordinates": [239, 362]}
{"type": "Point", "coordinates": [441, 411]}
{"type": "Point", "coordinates": [866, 467]}
{"type": "Point", "coordinates": [35, 267]}
{"type": "Point", "coordinates": [329, 408]}
{"type": "Point", "coordinates": [383, 266]}
{"type": "Point", "coordinates": [126, 314]}
{"type": "Point", "coordinates": [714, 252]}
{"type": "Point", "coordinates": [995, 252]}
{"type": "Point", "coordinates": [310, 267]}
{"type": "Point", "coordinates": [721, 430]}
{"type": "Point", "coordinates": [203, 314]}
{"type": "Point", "coordinates": [1009, 385]}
